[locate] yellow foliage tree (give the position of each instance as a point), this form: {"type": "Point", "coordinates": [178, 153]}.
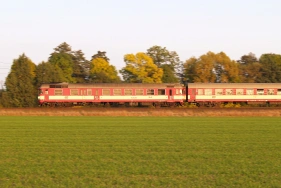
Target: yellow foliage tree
{"type": "Point", "coordinates": [141, 69]}
{"type": "Point", "coordinates": [102, 72]}
{"type": "Point", "coordinates": [212, 68]}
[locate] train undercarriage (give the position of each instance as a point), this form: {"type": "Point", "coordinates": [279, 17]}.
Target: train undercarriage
{"type": "Point", "coordinates": [112, 104]}
{"type": "Point", "coordinates": [206, 104]}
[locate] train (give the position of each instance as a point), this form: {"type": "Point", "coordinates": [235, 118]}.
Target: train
{"type": "Point", "coordinates": [157, 94]}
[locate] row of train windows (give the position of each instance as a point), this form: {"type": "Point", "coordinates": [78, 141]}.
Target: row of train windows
{"type": "Point", "coordinates": [116, 92]}
{"type": "Point", "coordinates": [238, 92]}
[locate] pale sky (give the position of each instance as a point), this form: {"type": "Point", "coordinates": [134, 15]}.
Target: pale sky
{"type": "Point", "coordinates": [119, 27]}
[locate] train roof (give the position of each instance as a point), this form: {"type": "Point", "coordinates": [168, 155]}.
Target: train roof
{"type": "Point", "coordinates": [234, 85]}
{"type": "Point", "coordinates": [111, 85]}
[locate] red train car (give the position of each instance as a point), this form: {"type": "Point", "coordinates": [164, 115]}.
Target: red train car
{"type": "Point", "coordinates": [66, 94]}
{"type": "Point", "coordinates": [215, 93]}
{"type": "Point", "coordinates": [169, 94]}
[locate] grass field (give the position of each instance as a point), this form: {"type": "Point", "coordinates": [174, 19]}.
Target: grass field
{"type": "Point", "coordinates": [140, 152]}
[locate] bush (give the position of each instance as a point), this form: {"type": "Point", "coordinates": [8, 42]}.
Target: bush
{"type": "Point", "coordinates": [230, 105]}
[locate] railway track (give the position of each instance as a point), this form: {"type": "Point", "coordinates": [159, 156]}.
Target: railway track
{"type": "Point", "coordinates": [143, 111]}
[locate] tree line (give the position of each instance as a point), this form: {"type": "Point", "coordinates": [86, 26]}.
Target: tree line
{"type": "Point", "coordinates": [156, 65]}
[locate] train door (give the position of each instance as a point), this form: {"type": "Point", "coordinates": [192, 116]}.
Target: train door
{"type": "Point", "coordinates": [46, 95]}
{"type": "Point", "coordinates": [191, 94]}
{"type": "Point", "coordinates": [170, 94]}
{"type": "Point", "coordinates": [96, 95]}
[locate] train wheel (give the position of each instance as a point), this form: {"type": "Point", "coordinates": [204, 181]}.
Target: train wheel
{"type": "Point", "coordinates": [267, 104]}
{"type": "Point", "coordinates": [114, 104]}
{"type": "Point", "coordinates": [156, 105]}
{"type": "Point", "coordinates": [172, 105]}
{"type": "Point", "coordinates": [106, 104]}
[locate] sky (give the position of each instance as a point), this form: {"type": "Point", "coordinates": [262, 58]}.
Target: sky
{"type": "Point", "coordinates": [191, 28]}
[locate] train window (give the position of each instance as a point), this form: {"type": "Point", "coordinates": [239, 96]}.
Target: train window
{"type": "Point", "coordinates": [139, 91]}
{"type": "Point", "coordinates": [200, 91]}
{"type": "Point", "coordinates": [239, 91]}
{"type": "Point", "coordinates": [218, 91]}
{"type": "Point", "coordinates": [178, 91]}
{"type": "Point", "coordinates": [208, 91]}
{"type": "Point", "coordinates": [270, 91]}
{"type": "Point", "coordinates": [150, 92]}
{"type": "Point", "coordinates": [74, 92]}
{"type": "Point", "coordinates": [229, 92]}
{"type": "Point", "coordinates": [278, 91]}
{"type": "Point", "coordinates": [117, 92]}
{"type": "Point", "coordinates": [105, 92]}
{"type": "Point", "coordinates": [161, 91]}
{"type": "Point", "coordinates": [128, 92]}
{"type": "Point", "coordinates": [89, 92]}
{"type": "Point", "coordinates": [249, 92]}
{"type": "Point", "coordinates": [183, 91]}
{"type": "Point", "coordinates": [58, 91]}
{"type": "Point", "coordinates": [260, 91]}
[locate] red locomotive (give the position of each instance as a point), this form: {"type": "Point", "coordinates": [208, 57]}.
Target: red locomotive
{"type": "Point", "coordinates": [166, 94]}
{"type": "Point", "coordinates": [64, 94]}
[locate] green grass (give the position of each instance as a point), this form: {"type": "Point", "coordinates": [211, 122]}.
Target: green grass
{"type": "Point", "coordinates": [140, 152]}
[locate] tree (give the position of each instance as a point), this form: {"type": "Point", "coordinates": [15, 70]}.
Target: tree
{"type": "Point", "coordinates": [140, 68]}
{"type": "Point", "coordinates": [62, 60]}
{"type": "Point", "coordinates": [47, 73]}
{"type": "Point", "coordinates": [211, 68]}
{"type": "Point", "coordinates": [203, 70]}
{"type": "Point", "coordinates": [102, 72]}
{"type": "Point", "coordinates": [20, 88]}
{"type": "Point", "coordinates": [248, 59]}
{"type": "Point", "coordinates": [63, 48]}
{"type": "Point", "coordinates": [189, 69]}
{"type": "Point", "coordinates": [226, 70]}
{"type": "Point", "coordinates": [100, 54]}
{"type": "Point", "coordinates": [270, 68]}
{"type": "Point", "coordinates": [249, 68]}
{"type": "Point", "coordinates": [75, 67]}
{"type": "Point", "coordinates": [81, 67]}
{"type": "Point", "coordinates": [4, 99]}
{"type": "Point", "coordinates": [162, 57]}
{"type": "Point", "coordinates": [168, 74]}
